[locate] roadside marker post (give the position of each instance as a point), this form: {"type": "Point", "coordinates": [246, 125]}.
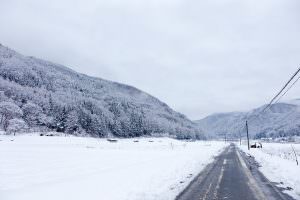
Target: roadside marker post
{"type": "Point", "coordinates": [240, 139]}
{"type": "Point", "coordinates": [247, 135]}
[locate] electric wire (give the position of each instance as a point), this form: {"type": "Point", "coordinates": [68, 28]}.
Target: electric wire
{"type": "Point", "coordinates": [289, 81]}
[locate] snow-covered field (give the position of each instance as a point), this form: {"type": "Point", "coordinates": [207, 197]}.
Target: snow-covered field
{"type": "Point", "coordinates": [278, 164]}
{"type": "Point", "coordinates": [35, 168]}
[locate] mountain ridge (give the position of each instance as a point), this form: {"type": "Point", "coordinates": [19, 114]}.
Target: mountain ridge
{"type": "Point", "coordinates": [282, 119]}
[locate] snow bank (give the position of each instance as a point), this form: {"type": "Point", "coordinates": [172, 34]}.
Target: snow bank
{"type": "Point", "coordinates": [34, 167]}
{"type": "Point", "coordinates": [279, 165]}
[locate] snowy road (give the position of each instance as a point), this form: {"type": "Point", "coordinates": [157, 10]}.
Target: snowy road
{"type": "Point", "coordinates": [229, 177]}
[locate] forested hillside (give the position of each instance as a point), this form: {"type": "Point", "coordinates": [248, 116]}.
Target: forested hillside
{"type": "Point", "coordinates": [36, 95]}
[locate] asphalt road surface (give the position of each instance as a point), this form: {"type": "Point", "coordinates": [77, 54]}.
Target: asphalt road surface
{"type": "Point", "coordinates": [232, 176]}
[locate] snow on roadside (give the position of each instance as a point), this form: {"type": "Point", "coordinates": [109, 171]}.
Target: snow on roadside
{"type": "Point", "coordinates": [34, 167]}
{"type": "Point", "coordinates": [278, 164]}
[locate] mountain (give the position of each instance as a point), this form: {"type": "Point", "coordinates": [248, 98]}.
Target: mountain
{"type": "Point", "coordinates": [37, 95]}
{"type": "Point", "coordinates": [281, 120]}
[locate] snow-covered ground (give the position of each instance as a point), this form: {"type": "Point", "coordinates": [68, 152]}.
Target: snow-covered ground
{"type": "Point", "coordinates": [278, 164]}
{"type": "Point", "coordinates": [34, 167]}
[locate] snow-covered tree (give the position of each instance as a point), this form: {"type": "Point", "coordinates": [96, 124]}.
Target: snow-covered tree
{"type": "Point", "coordinates": [72, 123]}
{"type": "Point", "coordinates": [9, 110]}
{"type": "Point", "coordinates": [32, 114]}
{"type": "Point", "coordinates": [3, 97]}
{"type": "Point", "coordinates": [16, 125]}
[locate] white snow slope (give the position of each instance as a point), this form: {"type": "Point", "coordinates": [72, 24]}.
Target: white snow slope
{"type": "Point", "coordinates": [35, 168]}
{"type": "Point", "coordinates": [278, 164]}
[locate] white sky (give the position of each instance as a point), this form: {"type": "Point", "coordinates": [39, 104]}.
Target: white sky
{"type": "Point", "coordinates": [200, 57]}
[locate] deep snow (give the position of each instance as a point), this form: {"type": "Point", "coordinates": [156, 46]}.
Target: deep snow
{"type": "Point", "coordinates": [278, 164]}
{"type": "Point", "coordinates": [34, 167]}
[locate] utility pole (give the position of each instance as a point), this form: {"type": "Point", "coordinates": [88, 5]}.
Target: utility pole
{"type": "Point", "coordinates": [247, 135]}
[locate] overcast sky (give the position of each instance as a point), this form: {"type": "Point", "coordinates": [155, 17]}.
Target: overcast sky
{"type": "Point", "coordinates": [200, 57]}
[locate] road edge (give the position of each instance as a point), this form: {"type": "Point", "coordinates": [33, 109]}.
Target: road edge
{"type": "Point", "coordinates": [252, 181]}
{"type": "Point", "coordinates": [263, 181]}
{"type": "Point", "coordinates": [202, 174]}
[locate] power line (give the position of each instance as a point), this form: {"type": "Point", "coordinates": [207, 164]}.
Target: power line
{"type": "Point", "coordinates": [286, 116]}
{"type": "Point", "coordinates": [288, 89]}
{"type": "Point", "coordinates": [295, 74]}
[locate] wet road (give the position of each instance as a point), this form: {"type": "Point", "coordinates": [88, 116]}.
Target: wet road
{"type": "Point", "coordinates": [229, 177]}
